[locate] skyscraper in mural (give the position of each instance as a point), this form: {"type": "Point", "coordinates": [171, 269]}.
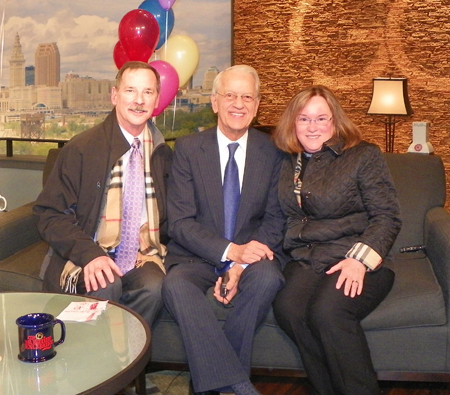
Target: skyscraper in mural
{"type": "Point", "coordinates": [209, 76]}
{"type": "Point", "coordinates": [17, 65]}
{"type": "Point", "coordinates": [47, 65]}
{"type": "Point", "coordinates": [29, 75]}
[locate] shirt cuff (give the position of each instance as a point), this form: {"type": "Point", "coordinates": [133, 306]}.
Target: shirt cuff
{"type": "Point", "coordinates": [224, 255]}
{"type": "Point", "coordinates": [224, 258]}
{"type": "Point", "coordinates": [366, 255]}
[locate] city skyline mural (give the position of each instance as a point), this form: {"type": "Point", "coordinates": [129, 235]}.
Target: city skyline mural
{"type": "Point", "coordinates": [86, 33]}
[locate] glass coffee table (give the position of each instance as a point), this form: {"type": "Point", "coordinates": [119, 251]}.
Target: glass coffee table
{"type": "Point", "coordinates": [98, 357]}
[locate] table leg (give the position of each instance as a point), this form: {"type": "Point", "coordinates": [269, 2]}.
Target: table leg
{"type": "Point", "coordinates": [140, 384]}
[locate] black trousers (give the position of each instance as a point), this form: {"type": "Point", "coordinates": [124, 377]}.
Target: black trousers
{"type": "Point", "coordinates": [325, 326]}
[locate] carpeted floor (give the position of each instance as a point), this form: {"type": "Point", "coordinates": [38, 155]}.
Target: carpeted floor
{"type": "Point", "coordinates": [165, 383]}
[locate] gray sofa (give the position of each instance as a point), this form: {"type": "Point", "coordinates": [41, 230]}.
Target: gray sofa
{"type": "Point", "coordinates": [408, 333]}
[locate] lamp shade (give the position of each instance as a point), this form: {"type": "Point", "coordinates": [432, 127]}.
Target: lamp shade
{"type": "Point", "coordinates": [390, 97]}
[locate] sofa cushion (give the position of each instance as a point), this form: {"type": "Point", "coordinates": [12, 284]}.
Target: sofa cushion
{"type": "Point", "coordinates": [20, 271]}
{"type": "Point", "coordinates": [420, 184]}
{"type": "Point", "coordinates": [17, 230]}
{"type": "Point", "coordinates": [416, 299]}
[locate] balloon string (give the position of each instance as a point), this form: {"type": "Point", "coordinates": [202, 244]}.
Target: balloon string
{"type": "Point", "coordinates": [165, 57]}
{"type": "Point", "coordinates": [174, 112]}
{"type": "Point", "coordinates": [165, 44]}
{"type": "Point", "coordinates": [2, 35]}
{"type": "Point", "coordinates": [164, 119]}
{"type": "Point", "coordinates": [167, 28]}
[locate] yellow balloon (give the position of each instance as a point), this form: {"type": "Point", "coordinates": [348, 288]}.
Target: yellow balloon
{"type": "Point", "coordinates": [182, 53]}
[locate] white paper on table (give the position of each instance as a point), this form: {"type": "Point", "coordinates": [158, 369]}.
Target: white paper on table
{"type": "Point", "coordinates": [82, 311]}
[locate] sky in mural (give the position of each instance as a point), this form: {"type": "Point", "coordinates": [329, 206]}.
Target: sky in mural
{"type": "Point", "coordinates": [86, 32]}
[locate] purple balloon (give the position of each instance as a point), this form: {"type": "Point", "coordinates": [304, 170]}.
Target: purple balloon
{"type": "Point", "coordinates": [169, 84]}
{"type": "Point", "coordinates": [166, 4]}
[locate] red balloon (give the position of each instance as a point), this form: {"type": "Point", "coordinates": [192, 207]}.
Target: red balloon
{"type": "Point", "coordinates": [139, 34]}
{"type": "Point", "coordinates": [119, 55]}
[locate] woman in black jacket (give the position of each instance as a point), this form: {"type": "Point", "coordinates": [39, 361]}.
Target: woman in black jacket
{"type": "Point", "coordinates": [342, 219]}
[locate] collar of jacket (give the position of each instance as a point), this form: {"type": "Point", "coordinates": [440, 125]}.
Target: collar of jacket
{"type": "Point", "coordinates": [336, 146]}
{"type": "Point", "coordinates": [157, 136]}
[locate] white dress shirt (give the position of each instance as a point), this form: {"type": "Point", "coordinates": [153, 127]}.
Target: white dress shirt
{"type": "Point", "coordinates": [239, 155]}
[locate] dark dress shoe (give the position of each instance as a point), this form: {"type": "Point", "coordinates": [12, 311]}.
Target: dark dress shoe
{"type": "Point", "coordinates": [192, 392]}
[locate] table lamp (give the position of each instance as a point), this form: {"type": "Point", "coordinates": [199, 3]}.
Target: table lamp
{"type": "Point", "coordinates": [390, 98]}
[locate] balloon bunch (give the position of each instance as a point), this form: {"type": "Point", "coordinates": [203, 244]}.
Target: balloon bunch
{"type": "Point", "coordinates": [146, 29]}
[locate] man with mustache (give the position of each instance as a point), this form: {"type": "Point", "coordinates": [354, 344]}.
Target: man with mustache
{"type": "Point", "coordinates": [83, 212]}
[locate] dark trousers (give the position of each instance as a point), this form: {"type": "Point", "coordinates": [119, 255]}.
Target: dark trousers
{"type": "Point", "coordinates": [139, 289]}
{"type": "Point", "coordinates": [325, 326]}
{"type": "Point", "coordinates": [219, 356]}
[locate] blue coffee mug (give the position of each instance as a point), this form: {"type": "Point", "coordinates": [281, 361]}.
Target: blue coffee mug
{"type": "Point", "coordinates": [36, 341]}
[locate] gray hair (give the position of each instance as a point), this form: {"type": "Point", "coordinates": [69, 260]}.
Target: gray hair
{"type": "Point", "coordinates": [242, 68]}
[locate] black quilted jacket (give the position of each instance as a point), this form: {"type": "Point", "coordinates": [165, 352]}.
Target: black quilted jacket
{"type": "Point", "coordinates": [347, 197]}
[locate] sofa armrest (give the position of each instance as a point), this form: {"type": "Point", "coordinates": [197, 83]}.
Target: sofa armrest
{"type": "Point", "coordinates": [437, 243]}
{"type": "Point", "coordinates": [17, 230]}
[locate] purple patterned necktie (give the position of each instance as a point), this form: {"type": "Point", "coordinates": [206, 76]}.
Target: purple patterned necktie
{"type": "Point", "coordinates": [133, 194]}
{"type": "Point", "coordinates": [231, 193]}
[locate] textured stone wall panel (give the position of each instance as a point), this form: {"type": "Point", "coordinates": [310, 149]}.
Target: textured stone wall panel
{"type": "Point", "coordinates": [344, 44]}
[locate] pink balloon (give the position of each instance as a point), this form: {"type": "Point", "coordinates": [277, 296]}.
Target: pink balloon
{"type": "Point", "coordinates": [119, 55]}
{"type": "Point", "coordinates": [169, 84]}
{"type": "Point", "coordinates": [166, 4]}
{"type": "Point", "coordinates": [139, 34]}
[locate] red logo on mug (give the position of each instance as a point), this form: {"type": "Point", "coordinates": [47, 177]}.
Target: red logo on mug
{"type": "Point", "coordinates": [38, 342]}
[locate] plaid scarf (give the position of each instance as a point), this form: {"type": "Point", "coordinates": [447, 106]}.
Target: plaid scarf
{"type": "Point", "coordinates": [297, 180]}
{"type": "Point", "coordinates": [297, 174]}
{"type": "Point", "coordinates": [108, 235]}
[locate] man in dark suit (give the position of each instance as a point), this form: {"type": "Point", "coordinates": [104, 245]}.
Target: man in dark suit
{"type": "Point", "coordinates": [199, 252]}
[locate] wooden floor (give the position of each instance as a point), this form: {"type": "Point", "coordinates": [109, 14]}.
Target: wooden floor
{"type": "Point", "coordinates": [299, 386]}
{"type": "Point", "coordinates": [274, 385]}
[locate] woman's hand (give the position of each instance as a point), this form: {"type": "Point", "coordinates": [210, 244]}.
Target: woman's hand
{"type": "Point", "coordinates": [352, 276]}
